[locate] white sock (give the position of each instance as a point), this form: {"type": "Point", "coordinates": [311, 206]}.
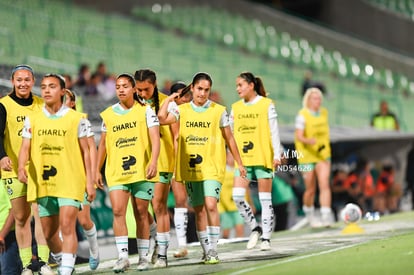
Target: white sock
{"type": "Point", "coordinates": [92, 238]}
{"type": "Point", "coordinates": [213, 236]}
{"type": "Point", "coordinates": [181, 221]}
{"type": "Point", "coordinates": [326, 212]}
{"type": "Point", "coordinates": [143, 248]}
{"type": "Point", "coordinates": [203, 238]}
{"type": "Point", "coordinates": [68, 263]}
{"type": "Point", "coordinates": [57, 257]}
{"type": "Point", "coordinates": [309, 212]}
{"type": "Point", "coordinates": [267, 214]}
{"type": "Point", "coordinates": [163, 240]}
{"type": "Point", "coordinates": [122, 246]}
{"type": "Point", "coordinates": [244, 208]}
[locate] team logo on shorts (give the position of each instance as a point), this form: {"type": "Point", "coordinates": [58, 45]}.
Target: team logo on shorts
{"type": "Point", "coordinates": [9, 191]}
{"type": "Point", "coordinates": [48, 171]}
{"type": "Point", "coordinates": [195, 159]}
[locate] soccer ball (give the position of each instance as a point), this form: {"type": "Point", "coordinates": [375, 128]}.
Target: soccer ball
{"type": "Point", "coordinates": [351, 213]}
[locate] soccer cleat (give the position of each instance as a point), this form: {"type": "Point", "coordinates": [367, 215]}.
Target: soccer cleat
{"type": "Point", "coordinates": [143, 264]}
{"type": "Point", "coordinates": [181, 252]}
{"type": "Point", "coordinates": [93, 262]}
{"type": "Point", "coordinates": [212, 257]}
{"type": "Point", "coordinates": [326, 220]}
{"type": "Point", "coordinates": [154, 256]}
{"type": "Point", "coordinates": [265, 245]}
{"type": "Point", "coordinates": [161, 262]}
{"type": "Point", "coordinates": [121, 265]}
{"type": "Point", "coordinates": [254, 237]}
{"type": "Point", "coordinates": [45, 269]}
{"type": "Point", "coordinates": [204, 258]}
{"type": "Point", "coordinates": [27, 270]}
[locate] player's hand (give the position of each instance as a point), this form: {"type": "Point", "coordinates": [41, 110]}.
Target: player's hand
{"type": "Point", "coordinates": [91, 191]}
{"type": "Point", "coordinates": [151, 171]}
{"type": "Point", "coordinates": [6, 164]}
{"type": "Point", "coordinates": [22, 175]}
{"type": "Point", "coordinates": [98, 181]}
{"type": "Point", "coordinates": [243, 173]}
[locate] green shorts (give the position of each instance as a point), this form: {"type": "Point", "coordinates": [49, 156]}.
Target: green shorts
{"type": "Point", "coordinates": [15, 188]}
{"type": "Point", "coordinates": [165, 177]}
{"type": "Point", "coordinates": [49, 206]}
{"type": "Point", "coordinates": [230, 219]}
{"type": "Point", "coordinates": [198, 190]}
{"type": "Point", "coordinates": [141, 190]}
{"type": "Point", "coordinates": [85, 200]}
{"type": "Point", "coordinates": [256, 172]}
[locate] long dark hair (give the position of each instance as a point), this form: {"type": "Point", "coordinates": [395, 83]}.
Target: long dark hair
{"type": "Point", "coordinates": [202, 76]}
{"type": "Point", "coordinates": [149, 75]}
{"type": "Point", "coordinates": [257, 81]}
{"type": "Point", "coordinates": [180, 85]}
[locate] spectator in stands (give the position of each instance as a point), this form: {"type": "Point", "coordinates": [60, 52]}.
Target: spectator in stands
{"type": "Point", "coordinates": [388, 192]}
{"type": "Point", "coordinates": [101, 70]}
{"type": "Point", "coordinates": [84, 216]}
{"type": "Point", "coordinates": [92, 88]}
{"type": "Point", "coordinates": [312, 142]}
{"type": "Point", "coordinates": [385, 119]}
{"type": "Point", "coordinates": [21, 102]}
{"type": "Point", "coordinates": [68, 81]}
{"type": "Point", "coordinates": [308, 82]}
{"type": "Point", "coordinates": [83, 77]}
{"type": "Point", "coordinates": [166, 87]}
{"type": "Point", "coordinates": [409, 175]}
{"type": "Point", "coordinates": [340, 194]}
{"type": "Point", "coordinates": [360, 185]}
{"type": "Point", "coordinates": [58, 194]}
{"type": "Point", "coordinates": [139, 167]}
{"type": "Point", "coordinates": [216, 97]}
{"type": "Point", "coordinates": [254, 123]}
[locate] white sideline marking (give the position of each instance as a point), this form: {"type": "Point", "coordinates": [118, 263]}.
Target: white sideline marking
{"type": "Point", "coordinates": [293, 259]}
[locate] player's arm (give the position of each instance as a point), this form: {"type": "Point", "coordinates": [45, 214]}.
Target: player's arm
{"type": "Point", "coordinates": [24, 154]}
{"type": "Point", "coordinates": [100, 159]}
{"type": "Point", "coordinates": [231, 143]}
{"type": "Point", "coordinates": [167, 114]}
{"type": "Point", "coordinates": [84, 146]}
{"type": "Point", "coordinates": [5, 162]}
{"type": "Point", "coordinates": [154, 135]}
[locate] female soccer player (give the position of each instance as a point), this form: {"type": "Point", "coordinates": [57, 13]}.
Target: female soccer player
{"type": "Point", "coordinates": [55, 141]}
{"type": "Point", "coordinates": [201, 154]}
{"type": "Point", "coordinates": [255, 128]}
{"type": "Point", "coordinates": [130, 141]}
{"type": "Point", "coordinates": [84, 216]}
{"type": "Point", "coordinates": [312, 141]}
{"type": "Point", "coordinates": [146, 87]}
{"type": "Point", "coordinates": [14, 107]}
